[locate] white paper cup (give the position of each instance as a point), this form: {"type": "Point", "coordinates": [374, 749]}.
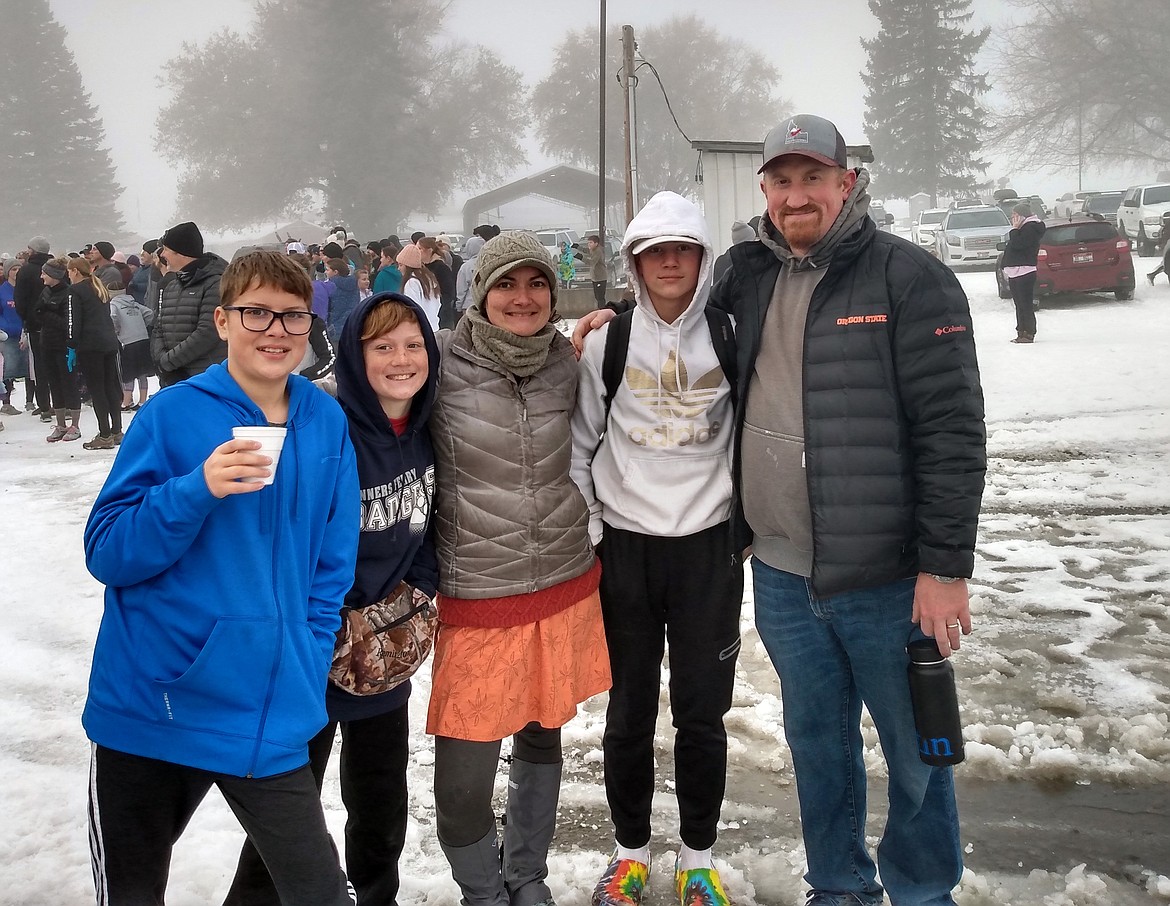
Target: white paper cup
{"type": "Point", "coordinates": [271, 442]}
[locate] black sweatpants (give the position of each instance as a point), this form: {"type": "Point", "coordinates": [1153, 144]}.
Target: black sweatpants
{"type": "Point", "coordinates": [687, 592]}
{"type": "Point", "coordinates": [374, 753]}
{"type": "Point", "coordinates": [54, 371]}
{"type": "Point", "coordinates": [139, 807]}
{"type": "Point", "coordinates": [1023, 289]}
{"type": "Point", "coordinates": [100, 370]}
{"type": "Point", "coordinates": [599, 292]}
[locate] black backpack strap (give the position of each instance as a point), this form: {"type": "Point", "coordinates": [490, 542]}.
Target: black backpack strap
{"type": "Point", "coordinates": [613, 364]}
{"type": "Point", "coordinates": [723, 339]}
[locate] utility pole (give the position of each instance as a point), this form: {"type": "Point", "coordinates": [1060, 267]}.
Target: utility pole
{"type": "Point", "coordinates": [601, 86]}
{"type": "Point", "coordinates": [629, 132]}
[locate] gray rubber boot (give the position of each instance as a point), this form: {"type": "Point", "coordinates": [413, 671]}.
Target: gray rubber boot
{"type": "Point", "coordinates": [476, 869]}
{"type": "Point", "coordinates": [533, 793]}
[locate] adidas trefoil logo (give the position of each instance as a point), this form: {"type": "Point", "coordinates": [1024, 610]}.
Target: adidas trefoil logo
{"type": "Point", "coordinates": [671, 396]}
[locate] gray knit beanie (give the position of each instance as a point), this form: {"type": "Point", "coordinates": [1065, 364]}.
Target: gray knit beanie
{"type": "Point", "coordinates": [741, 232]}
{"type": "Point", "coordinates": [55, 271]}
{"type": "Point", "coordinates": [506, 252]}
{"type": "Point", "coordinates": [39, 244]}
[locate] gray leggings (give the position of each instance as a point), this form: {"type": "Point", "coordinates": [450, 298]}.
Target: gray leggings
{"type": "Point", "coordinates": [465, 777]}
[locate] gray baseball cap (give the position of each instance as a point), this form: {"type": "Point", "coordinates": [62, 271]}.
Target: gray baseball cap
{"type": "Point", "coordinates": [808, 135]}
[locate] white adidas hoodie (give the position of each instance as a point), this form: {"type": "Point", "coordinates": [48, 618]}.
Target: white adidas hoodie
{"type": "Point", "coordinates": [665, 466]}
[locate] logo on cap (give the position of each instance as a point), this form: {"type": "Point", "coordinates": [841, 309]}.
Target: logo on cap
{"type": "Point", "coordinates": [796, 134]}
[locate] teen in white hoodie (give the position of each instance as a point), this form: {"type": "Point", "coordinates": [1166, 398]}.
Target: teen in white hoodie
{"type": "Point", "coordinates": [660, 499]}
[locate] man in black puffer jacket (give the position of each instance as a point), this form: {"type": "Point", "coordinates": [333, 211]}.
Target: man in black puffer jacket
{"type": "Point", "coordinates": [185, 341]}
{"type": "Point", "coordinates": [860, 459]}
{"type": "Point", "coordinates": [25, 296]}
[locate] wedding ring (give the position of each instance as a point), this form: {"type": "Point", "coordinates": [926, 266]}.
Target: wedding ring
{"type": "Point", "coordinates": [952, 625]}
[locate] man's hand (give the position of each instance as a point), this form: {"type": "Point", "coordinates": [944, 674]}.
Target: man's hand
{"type": "Point", "coordinates": [942, 611]}
{"type": "Point", "coordinates": [232, 461]}
{"type": "Point", "coordinates": [591, 321]}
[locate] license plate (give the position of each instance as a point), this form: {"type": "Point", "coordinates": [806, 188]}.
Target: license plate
{"type": "Point", "coordinates": [1083, 259]}
{"type": "Point", "coordinates": [986, 254]}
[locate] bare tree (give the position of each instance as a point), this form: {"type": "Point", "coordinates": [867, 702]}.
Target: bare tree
{"type": "Point", "coordinates": [1085, 81]}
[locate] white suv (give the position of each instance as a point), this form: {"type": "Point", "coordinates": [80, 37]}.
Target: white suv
{"type": "Point", "coordinates": [1139, 218]}
{"type": "Point", "coordinates": [922, 230]}
{"type": "Point", "coordinates": [971, 235]}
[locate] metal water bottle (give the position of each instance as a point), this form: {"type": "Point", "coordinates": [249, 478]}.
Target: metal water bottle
{"type": "Point", "coordinates": [936, 705]}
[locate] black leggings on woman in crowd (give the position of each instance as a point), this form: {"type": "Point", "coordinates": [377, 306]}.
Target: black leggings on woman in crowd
{"type": "Point", "coordinates": [105, 387]}
{"type": "Point", "coordinates": [62, 383]}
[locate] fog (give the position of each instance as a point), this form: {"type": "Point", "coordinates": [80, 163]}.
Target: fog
{"type": "Point", "coordinates": [121, 47]}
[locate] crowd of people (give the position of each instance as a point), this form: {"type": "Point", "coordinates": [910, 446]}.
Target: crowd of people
{"type": "Point", "coordinates": [551, 515]}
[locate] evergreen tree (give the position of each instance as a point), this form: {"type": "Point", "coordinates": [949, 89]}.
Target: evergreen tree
{"type": "Point", "coordinates": [57, 174]}
{"type": "Point", "coordinates": [354, 108]}
{"type": "Point", "coordinates": [719, 89]}
{"type": "Point", "coordinates": [923, 114]}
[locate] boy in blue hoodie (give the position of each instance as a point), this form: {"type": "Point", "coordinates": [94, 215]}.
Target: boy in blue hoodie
{"type": "Point", "coordinates": [386, 380]}
{"type": "Point", "coordinates": [222, 601]}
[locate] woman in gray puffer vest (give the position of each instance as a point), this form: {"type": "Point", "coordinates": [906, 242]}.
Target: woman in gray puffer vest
{"type": "Point", "coordinates": [521, 641]}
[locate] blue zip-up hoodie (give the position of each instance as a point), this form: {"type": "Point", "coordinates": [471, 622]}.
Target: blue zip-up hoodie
{"type": "Point", "coordinates": [397, 477]}
{"type": "Point", "coordinates": [220, 614]}
{"type": "Point", "coordinates": [344, 301]}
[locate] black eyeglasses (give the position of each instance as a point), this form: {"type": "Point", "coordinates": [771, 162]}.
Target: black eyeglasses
{"type": "Point", "coordinates": [296, 322]}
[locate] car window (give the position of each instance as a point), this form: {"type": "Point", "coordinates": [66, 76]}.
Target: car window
{"type": "Point", "coordinates": [931, 216]}
{"type": "Point", "coordinates": [547, 238]}
{"type": "Point", "coordinates": [965, 220]}
{"type": "Point", "coordinates": [1103, 204]}
{"type": "Point", "coordinates": [1130, 198]}
{"type": "Point", "coordinates": [1156, 195]}
{"type": "Point", "coordinates": [1075, 233]}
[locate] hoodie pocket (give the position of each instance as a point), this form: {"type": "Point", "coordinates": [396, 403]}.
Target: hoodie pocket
{"type": "Point", "coordinates": [297, 711]}
{"type": "Point", "coordinates": [225, 687]}
{"type": "Point", "coordinates": [775, 486]}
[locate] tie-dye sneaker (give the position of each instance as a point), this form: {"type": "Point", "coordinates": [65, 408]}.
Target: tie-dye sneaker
{"type": "Point", "coordinates": [622, 884]}
{"type": "Point", "coordinates": [700, 887]}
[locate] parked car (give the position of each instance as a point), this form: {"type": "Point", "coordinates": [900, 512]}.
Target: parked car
{"type": "Point", "coordinates": [923, 229]}
{"type": "Point", "coordinates": [1069, 204]}
{"type": "Point", "coordinates": [971, 235]}
{"type": "Point", "coordinates": [554, 239]}
{"type": "Point", "coordinates": [1139, 217]}
{"type": "Point", "coordinates": [1084, 255]}
{"type": "Point", "coordinates": [1103, 205]}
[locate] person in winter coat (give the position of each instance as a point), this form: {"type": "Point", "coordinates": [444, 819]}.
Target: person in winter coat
{"type": "Point", "coordinates": [860, 454]}
{"type": "Point", "coordinates": [1019, 266]}
{"type": "Point", "coordinates": [101, 260]}
{"type": "Point", "coordinates": [185, 341]}
{"type": "Point", "coordinates": [521, 641]}
{"type": "Point", "coordinates": [55, 363]}
{"type": "Point", "coordinates": [463, 295]}
{"type": "Point", "coordinates": [389, 277]}
{"type": "Point", "coordinates": [222, 601]}
{"type": "Point", "coordinates": [345, 295]}
{"type": "Point", "coordinates": [432, 256]}
{"type": "Point", "coordinates": [15, 353]}
{"type": "Point", "coordinates": [420, 284]}
{"type": "Point", "coordinates": [91, 334]}
{"type": "Point", "coordinates": [594, 258]}
{"type": "Point", "coordinates": [386, 379]}
{"type": "Point", "coordinates": [672, 569]}
{"type": "Point", "coordinates": [26, 296]}
{"type": "Point", "coordinates": [132, 321]}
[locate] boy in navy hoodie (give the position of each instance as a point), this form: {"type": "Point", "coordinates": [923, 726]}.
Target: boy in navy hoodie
{"type": "Point", "coordinates": [386, 379]}
{"type": "Point", "coordinates": [222, 601]}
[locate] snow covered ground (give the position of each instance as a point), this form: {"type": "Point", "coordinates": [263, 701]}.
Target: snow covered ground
{"type": "Point", "coordinates": [1065, 682]}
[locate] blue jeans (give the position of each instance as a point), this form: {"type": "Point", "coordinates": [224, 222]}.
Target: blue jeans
{"type": "Point", "coordinates": [833, 654]}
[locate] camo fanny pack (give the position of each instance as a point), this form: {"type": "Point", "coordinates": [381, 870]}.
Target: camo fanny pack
{"type": "Point", "coordinates": [381, 645]}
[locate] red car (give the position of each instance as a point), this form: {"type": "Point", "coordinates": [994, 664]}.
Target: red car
{"type": "Point", "coordinates": [1079, 256]}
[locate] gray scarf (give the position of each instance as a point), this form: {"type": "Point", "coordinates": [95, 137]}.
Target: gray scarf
{"type": "Point", "coordinates": [522, 356]}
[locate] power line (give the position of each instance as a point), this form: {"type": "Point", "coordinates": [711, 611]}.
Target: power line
{"type": "Point", "coordinates": [657, 78]}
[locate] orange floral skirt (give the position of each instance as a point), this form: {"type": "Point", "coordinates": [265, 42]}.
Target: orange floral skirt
{"type": "Point", "coordinates": [487, 684]}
